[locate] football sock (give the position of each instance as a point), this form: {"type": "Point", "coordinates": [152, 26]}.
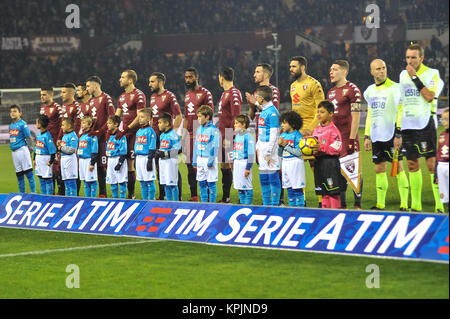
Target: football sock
{"type": "Point", "coordinates": [115, 190]}
{"type": "Point", "coordinates": [203, 191]}
{"type": "Point", "coordinates": [144, 190]}
{"type": "Point", "coordinates": [227, 180]}
{"type": "Point", "coordinates": [415, 184]}
{"type": "Point", "coordinates": [275, 188]}
{"type": "Point", "coordinates": [131, 183]}
{"type": "Point", "coordinates": [192, 180]}
{"type": "Point", "coordinates": [437, 200]}
{"type": "Point", "coordinates": [49, 186]}
{"type": "Point", "coordinates": [403, 189]}
{"type": "Point", "coordinates": [249, 196]}
{"type": "Point", "coordinates": [21, 181]}
{"type": "Point", "coordinates": [175, 192]}
{"type": "Point", "coordinates": [151, 190]}
{"type": "Point", "coordinates": [381, 182]}
{"type": "Point", "coordinates": [42, 186]}
{"type": "Point", "coordinates": [87, 189]}
{"type": "Point", "coordinates": [31, 181]}
{"type": "Point", "coordinates": [242, 196]}
{"type": "Point", "coordinates": [291, 197]}
{"type": "Point", "coordinates": [265, 188]}
{"type": "Point", "coordinates": [101, 174]}
{"type": "Point", "coordinates": [123, 190]}
{"type": "Point", "coordinates": [212, 186]}
{"type": "Point", "coordinates": [300, 197]}
{"type": "Point", "coordinates": [70, 186]}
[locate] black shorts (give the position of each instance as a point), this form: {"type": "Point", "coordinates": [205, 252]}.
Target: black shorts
{"type": "Point", "coordinates": [420, 143]}
{"type": "Point", "coordinates": [327, 175]}
{"type": "Point", "coordinates": [131, 139]}
{"type": "Point", "coordinates": [384, 152]}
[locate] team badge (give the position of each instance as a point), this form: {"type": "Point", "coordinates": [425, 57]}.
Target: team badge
{"type": "Point", "coordinates": [122, 98]}
{"type": "Point", "coordinates": [51, 109]}
{"type": "Point", "coordinates": [163, 98]}
{"type": "Point", "coordinates": [305, 86]}
{"type": "Point", "coordinates": [424, 146]}
{"type": "Point", "coordinates": [70, 109]}
{"type": "Point", "coordinates": [199, 96]}
{"type": "Point", "coordinates": [332, 94]}
{"type": "Point", "coordinates": [344, 91]}
{"type": "Point", "coordinates": [226, 96]}
{"type": "Point", "coordinates": [330, 182]}
{"type": "Point", "coordinates": [131, 96]}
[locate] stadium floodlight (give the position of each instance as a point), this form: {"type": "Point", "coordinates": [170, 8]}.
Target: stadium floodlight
{"type": "Point", "coordinates": [275, 48]}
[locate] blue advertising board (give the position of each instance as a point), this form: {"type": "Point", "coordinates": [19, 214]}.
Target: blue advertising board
{"type": "Point", "coordinates": [411, 236]}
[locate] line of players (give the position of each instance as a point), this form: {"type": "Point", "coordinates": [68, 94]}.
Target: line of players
{"type": "Point", "coordinates": [385, 113]}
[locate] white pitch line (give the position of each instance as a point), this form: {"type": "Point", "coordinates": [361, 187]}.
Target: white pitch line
{"type": "Point", "coordinates": [48, 251]}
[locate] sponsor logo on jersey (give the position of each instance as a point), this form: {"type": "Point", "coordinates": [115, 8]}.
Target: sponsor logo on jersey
{"type": "Point", "coordinates": [202, 138]}
{"type": "Point", "coordinates": [40, 144]}
{"type": "Point", "coordinates": [82, 144]}
{"type": "Point", "coordinates": [14, 132]}
{"type": "Point", "coordinates": [165, 144]}
{"type": "Point", "coordinates": [238, 146]}
{"type": "Point", "coordinates": [141, 140]}
{"type": "Point", "coordinates": [111, 146]}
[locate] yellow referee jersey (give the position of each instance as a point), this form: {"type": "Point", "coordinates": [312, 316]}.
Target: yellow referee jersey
{"type": "Point", "coordinates": [305, 96]}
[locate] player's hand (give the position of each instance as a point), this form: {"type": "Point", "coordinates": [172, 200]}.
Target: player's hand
{"type": "Point", "coordinates": [306, 132]}
{"type": "Point", "coordinates": [410, 69]}
{"type": "Point", "coordinates": [282, 142]}
{"type": "Point", "coordinates": [58, 144]}
{"type": "Point", "coordinates": [210, 164]}
{"type": "Point", "coordinates": [398, 142]}
{"type": "Point", "coordinates": [246, 173]}
{"type": "Point", "coordinates": [250, 98]}
{"type": "Point", "coordinates": [122, 132]}
{"type": "Point", "coordinates": [93, 132]}
{"type": "Point", "coordinates": [367, 144]}
{"type": "Point", "coordinates": [351, 146]}
{"type": "Point", "coordinates": [269, 160]}
{"type": "Point", "coordinates": [49, 164]}
{"type": "Point", "coordinates": [118, 166]}
{"type": "Point", "coordinates": [160, 154]}
{"type": "Point", "coordinates": [91, 168]}
{"type": "Point", "coordinates": [149, 165]}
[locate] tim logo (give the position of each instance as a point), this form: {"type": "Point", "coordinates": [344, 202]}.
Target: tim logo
{"type": "Point", "coordinates": [14, 132]}
{"type": "Point", "coordinates": [151, 223]}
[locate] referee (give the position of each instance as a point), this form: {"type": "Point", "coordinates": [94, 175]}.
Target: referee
{"type": "Point", "coordinates": [419, 85]}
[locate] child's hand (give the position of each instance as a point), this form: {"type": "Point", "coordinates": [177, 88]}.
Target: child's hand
{"type": "Point", "coordinates": [49, 164]}
{"type": "Point", "coordinates": [282, 142]}
{"type": "Point", "coordinates": [91, 168]}
{"type": "Point", "coordinates": [246, 173]}
{"type": "Point", "coordinates": [315, 148]}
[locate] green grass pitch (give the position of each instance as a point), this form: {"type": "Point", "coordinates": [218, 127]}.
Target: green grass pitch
{"type": "Point", "coordinates": [33, 264]}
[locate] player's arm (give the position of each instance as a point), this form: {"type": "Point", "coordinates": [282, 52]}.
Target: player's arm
{"type": "Point", "coordinates": [367, 142]}
{"type": "Point", "coordinates": [251, 105]}
{"type": "Point", "coordinates": [274, 132]}
{"type": "Point", "coordinates": [318, 97]}
{"type": "Point", "coordinates": [427, 93]}
{"type": "Point", "coordinates": [250, 152]}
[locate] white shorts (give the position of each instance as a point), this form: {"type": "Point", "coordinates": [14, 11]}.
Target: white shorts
{"type": "Point", "coordinates": [69, 167]}
{"type": "Point", "coordinates": [168, 171]}
{"type": "Point", "coordinates": [22, 159]}
{"type": "Point", "coordinates": [293, 173]}
{"type": "Point", "coordinates": [113, 176]}
{"type": "Point", "coordinates": [442, 174]}
{"type": "Point", "coordinates": [41, 168]}
{"type": "Point", "coordinates": [205, 173]}
{"type": "Point", "coordinates": [141, 169]}
{"type": "Point", "coordinates": [261, 148]}
{"type": "Point", "coordinates": [85, 174]}
{"type": "Point", "coordinates": [240, 182]}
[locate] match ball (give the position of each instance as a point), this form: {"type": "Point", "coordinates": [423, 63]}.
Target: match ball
{"type": "Point", "coordinates": [306, 145]}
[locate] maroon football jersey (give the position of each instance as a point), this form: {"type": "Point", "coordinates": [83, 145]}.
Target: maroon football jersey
{"type": "Point", "coordinates": [442, 150]}
{"type": "Point", "coordinates": [130, 103]}
{"type": "Point", "coordinates": [73, 111]}
{"type": "Point", "coordinates": [346, 99]}
{"type": "Point", "coordinates": [165, 102]}
{"type": "Point", "coordinates": [192, 101]}
{"type": "Point", "coordinates": [230, 105]}
{"type": "Point", "coordinates": [55, 114]}
{"type": "Point", "coordinates": [101, 107]}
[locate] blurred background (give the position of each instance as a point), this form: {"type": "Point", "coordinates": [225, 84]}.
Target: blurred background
{"type": "Point", "coordinates": [37, 48]}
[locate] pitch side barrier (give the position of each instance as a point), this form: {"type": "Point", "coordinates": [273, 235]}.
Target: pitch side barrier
{"type": "Point", "coordinates": [409, 236]}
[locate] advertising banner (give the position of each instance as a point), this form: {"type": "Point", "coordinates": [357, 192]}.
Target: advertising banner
{"type": "Point", "coordinates": [365, 233]}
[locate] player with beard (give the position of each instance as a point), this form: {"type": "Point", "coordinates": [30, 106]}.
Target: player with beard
{"type": "Point", "coordinates": [128, 105]}
{"type": "Point", "coordinates": [230, 105]}
{"type": "Point", "coordinates": [163, 101]}
{"type": "Point", "coordinates": [196, 96]}
{"type": "Point", "coordinates": [101, 106]}
{"type": "Point", "coordinates": [83, 98]}
{"type": "Point", "coordinates": [346, 98]}
{"type": "Point", "coordinates": [55, 114]}
{"type": "Point", "coordinates": [263, 72]}
{"type": "Point", "coordinates": [70, 108]}
{"type": "Point", "coordinates": [306, 94]}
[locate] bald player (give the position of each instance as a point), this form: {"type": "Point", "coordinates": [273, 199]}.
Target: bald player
{"type": "Point", "coordinates": [383, 122]}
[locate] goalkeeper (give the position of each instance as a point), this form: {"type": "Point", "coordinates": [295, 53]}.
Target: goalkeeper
{"type": "Point", "coordinates": [383, 122]}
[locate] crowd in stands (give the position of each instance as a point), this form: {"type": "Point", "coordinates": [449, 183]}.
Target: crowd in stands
{"type": "Point", "coordinates": [123, 18]}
